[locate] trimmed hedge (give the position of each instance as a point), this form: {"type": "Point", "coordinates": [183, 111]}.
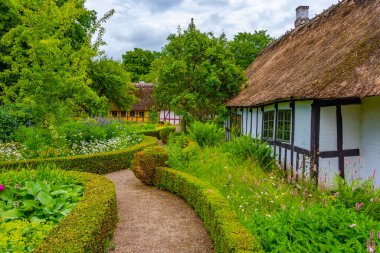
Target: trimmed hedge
{"type": "Point", "coordinates": [159, 132]}
{"type": "Point", "coordinates": [99, 163]}
{"type": "Point", "coordinates": [90, 226]}
{"type": "Point", "coordinates": [219, 219]}
{"type": "Point", "coordinates": [145, 163]}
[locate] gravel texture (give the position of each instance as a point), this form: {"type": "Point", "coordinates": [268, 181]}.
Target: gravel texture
{"type": "Point", "coordinates": [155, 221]}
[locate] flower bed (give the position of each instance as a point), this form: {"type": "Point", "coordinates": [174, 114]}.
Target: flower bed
{"type": "Point", "coordinates": [287, 215]}
{"type": "Point", "coordinates": [100, 163]}
{"type": "Point", "coordinates": [38, 207]}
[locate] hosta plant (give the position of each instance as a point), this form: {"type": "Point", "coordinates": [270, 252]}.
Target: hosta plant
{"type": "Point", "coordinates": [38, 200]}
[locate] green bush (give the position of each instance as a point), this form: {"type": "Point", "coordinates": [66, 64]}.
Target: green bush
{"type": "Point", "coordinates": [206, 134]}
{"type": "Point", "coordinates": [226, 232]}
{"type": "Point", "coordinates": [10, 120]}
{"type": "Point", "coordinates": [99, 163]}
{"type": "Point", "coordinates": [247, 147]}
{"type": "Point", "coordinates": [146, 161]}
{"type": "Point", "coordinates": [181, 149]}
{"type": "Point", "coordinates": [91, 224]}
{"type": "Point", "coordinates": [164, 134]}
{"type": "Point", "coordinates": [156, 132]}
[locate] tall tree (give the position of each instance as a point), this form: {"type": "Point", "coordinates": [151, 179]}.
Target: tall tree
{"type": "Point", "coordinates": [138, 62]}
{"type": "Point", "coordinates": [247, 46]}
{"type": "Point", "coordinates": [111, 80]}
{"type": "Point", "coordinates": [197, 74]}
{"type": "Point", "coordinates": [46, 67]}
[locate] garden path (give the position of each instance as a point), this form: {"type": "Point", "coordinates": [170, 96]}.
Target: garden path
{"type": "Point", "coordinates": [155, 221]}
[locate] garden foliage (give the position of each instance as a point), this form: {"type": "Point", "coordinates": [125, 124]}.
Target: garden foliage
{"type": "Point", "coordinates": [287, 215]}
{"type": "Point", "coordinates": [99, 163]}
{"type": "Point", "coordinates": [145, 163]}
{"type": "Point", "coordinates": [219, 219]}
{"type": "Point", "coordinates": [206, 134]}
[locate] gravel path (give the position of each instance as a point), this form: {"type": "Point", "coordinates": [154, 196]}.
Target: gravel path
{"type": "Point", "coordinates": [155, 221]}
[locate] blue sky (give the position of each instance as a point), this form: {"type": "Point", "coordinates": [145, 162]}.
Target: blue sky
{"type": "Point", "coordinates": [147, 23]}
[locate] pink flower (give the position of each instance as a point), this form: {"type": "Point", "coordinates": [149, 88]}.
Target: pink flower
{"type": "Point", "coordinates": [2, 187]}
{"type": "Point", "coordinates": [358, 206]}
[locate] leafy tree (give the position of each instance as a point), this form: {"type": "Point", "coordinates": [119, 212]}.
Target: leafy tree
{"type": "Point", "coordinates": [138, 62]}
{"type": "Point", "coordinates": [196, 74]}
{"type": "Point", "coordinates": [46, 71]}
{"type": "Point", "coordinates": [111, 80]}
{"type": "Point", "coordinates": [247, 46]}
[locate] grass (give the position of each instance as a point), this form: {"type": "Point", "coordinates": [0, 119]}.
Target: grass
{"type": "Point", "coordinates": [288, 216]}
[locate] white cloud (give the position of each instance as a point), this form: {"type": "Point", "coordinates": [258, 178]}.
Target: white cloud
{"type": "Point", "coordinates": [147, 23]}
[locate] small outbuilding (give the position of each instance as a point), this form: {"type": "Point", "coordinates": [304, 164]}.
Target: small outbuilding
{"type": "Point", "coordinates": [314, 94]}
{"type": "Point", "coordinates": [143, 109]}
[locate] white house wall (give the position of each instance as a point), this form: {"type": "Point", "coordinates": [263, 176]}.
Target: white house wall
{"type": "Point", "coordinates": [169, 116]}
{"type": "Point", "coordinates": [328, 129]}
{"type": "Point", "coordinates": [302, 124]}
{"type": "Point", "coordinates": [370, 139]}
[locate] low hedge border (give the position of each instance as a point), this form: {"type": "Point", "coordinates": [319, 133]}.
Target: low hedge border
{"type": "Point", "coordinates": [159, 132]}
{"type": "Point", "coordinates": [90, 226]}
{"type": "Point", "coordinates": [219, 219]}
{"type": "Point", "coordinates": [99, 163]}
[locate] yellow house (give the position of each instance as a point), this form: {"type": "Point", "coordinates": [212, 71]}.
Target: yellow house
{"type": "Point", "coordinates": [139, 111]}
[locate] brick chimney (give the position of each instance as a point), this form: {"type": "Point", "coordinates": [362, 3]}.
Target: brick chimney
{"type": "Point", "coordinates": [302, 15]}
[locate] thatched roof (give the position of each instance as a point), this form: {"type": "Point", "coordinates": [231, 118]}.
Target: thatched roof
{"type": "Point", "coordinates": [335, 55]}
{"type": "Point", "coordinates": [144, 93]}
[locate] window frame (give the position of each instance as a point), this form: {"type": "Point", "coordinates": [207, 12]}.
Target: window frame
{"type": "Point", "coordinates": [132, 114]}
{"type": "Point", "coordinates": [284, 125]}
{"type": "Point", "coordinates": [114, 114]}
{"type": "Point", "coordinates": [266, 125]}
{"type": "Point", "coordinates": [123, 114]}
{"type": "Point", "coordinates": [143, 114]}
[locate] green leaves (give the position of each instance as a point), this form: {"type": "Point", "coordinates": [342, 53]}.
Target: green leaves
{"type": "Point", "coordinates": [196, 74]}
{"type": "Point", "coordinates": [39, 200]}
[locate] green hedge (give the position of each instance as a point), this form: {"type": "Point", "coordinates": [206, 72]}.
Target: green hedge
{"type": "Point", "coordinates": [219, 219]}
{"type": "Point", "coordinates": [90, 226]}
{"type": "Point", "coordinates": [159, 132]}
{"type": "Point", "coordinates": [99, 163]}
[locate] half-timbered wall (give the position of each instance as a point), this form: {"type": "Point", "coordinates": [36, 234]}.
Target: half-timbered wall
{"type": "Point", "coordinates": [169, 116]}
{"type": "Point", "coordinates": [370, 139]}
{"type": "Point", "coordinates": [329, 138]}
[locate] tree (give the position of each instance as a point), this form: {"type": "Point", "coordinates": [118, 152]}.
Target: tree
{"type": "Point", "coordinates": [247, 46]}
{"type": "Point", "coordinates": [46, 68]}
{"type": "Point", "coordinates": [111, 80]}
{"type": "Point", "coordinates": [138, 62]}
{"type": "Point", "coordinates": [196, 74]}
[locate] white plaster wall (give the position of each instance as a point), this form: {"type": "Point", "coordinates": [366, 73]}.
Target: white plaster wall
{"type": "Point", "coordinates": [328, 129]}
{"type": "Point", "coordinates": [370, 139]}
{"type": "Point", "coordinates": [302, 124]}
{"type": "Point", "coordinates": [328, 172]}
{"type": "Point", "coordinates": [351, 115]}
{"type": "Point", "coordinates": [260, 124]}
{"type": "Point", "coordinates": [352, 168]}
{"type": "Point", "coordinates": [174, 119]}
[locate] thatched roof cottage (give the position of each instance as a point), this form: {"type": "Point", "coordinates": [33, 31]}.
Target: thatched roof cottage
{"type": "Point", "coordinates": [314, 94]}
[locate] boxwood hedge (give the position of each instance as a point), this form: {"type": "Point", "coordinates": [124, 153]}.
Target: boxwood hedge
{"type": "Point", "coordinates": [99, 163]}
{"type": "Point", "coordinates": [91, 224]}
{"type": "Point", "coordinates": [219, 219]}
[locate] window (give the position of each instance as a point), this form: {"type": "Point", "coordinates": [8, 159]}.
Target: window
{"type": "Point", "coordinates": [123, 114]}
{"type": "Point", "coordinates": [284, 125]}
{"type": "Point", "coordinates": [132, 113]}
{"type": "Point", "coordinates": [141, 114]}
{"type": "Point", "coordinates": [114, 113]}
{"type": "Point", "coordinates": [268, 125]}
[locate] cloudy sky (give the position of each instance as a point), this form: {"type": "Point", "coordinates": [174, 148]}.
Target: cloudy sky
{"type": "Point", "coordinates": [147, 23]}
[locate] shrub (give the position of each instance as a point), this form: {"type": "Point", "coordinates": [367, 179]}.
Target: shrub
{"type": "Point", "coordinates": [10, 120]}
{"type": "Point", "coordinates": [206, 134]}
{"type": "Point", "coordinates": [100, 163]}
{"type": "Point", "coordinates": [156, 132]}
{"type": "Point", "coordinates": [91, 224]}
{"type": "Point", "coordinates": [146, 162]}
{"type": "Point", "coordinates": [226, 232]}
{"type": "Point", "coordinates": [181, 150]}
{"type": "Point", "coordinates": [247, 147]}
{"type": "Point", "coordinates": [164, 133]}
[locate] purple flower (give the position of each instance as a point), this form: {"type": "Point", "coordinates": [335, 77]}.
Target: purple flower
{"type": "Point", "coordinates": [2, 187]}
